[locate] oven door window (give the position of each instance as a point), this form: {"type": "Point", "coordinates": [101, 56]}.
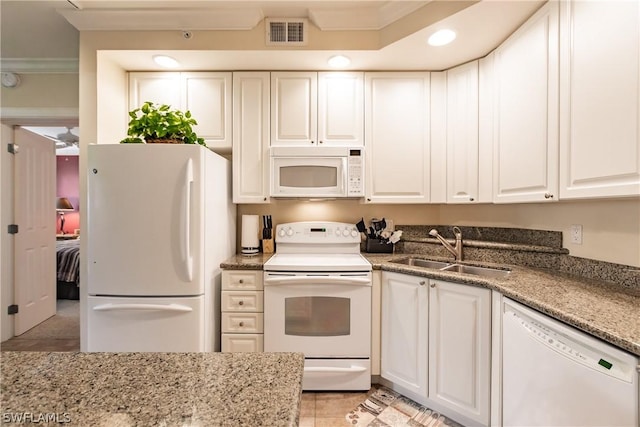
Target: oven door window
{"type": "Point", "coordinates": [317, 316]}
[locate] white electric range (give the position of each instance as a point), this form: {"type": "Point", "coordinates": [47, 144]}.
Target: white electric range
{"type": "Point", "coordinates": [317, 299]}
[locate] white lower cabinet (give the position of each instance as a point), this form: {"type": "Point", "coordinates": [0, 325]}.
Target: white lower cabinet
{"type": "Point", "coordinates": [460, 348]}
{"type": "Point", "coordinates": [242, 309]}
{"type": "Point", "coordinates": [436, 344]}
{"type": "Point", "coordinates": [404, 331]}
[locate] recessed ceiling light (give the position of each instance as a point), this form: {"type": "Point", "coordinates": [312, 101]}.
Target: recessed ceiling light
{"type": "Point", "coordinates": [339, 61]}
{"type": "Point", "coordinates": [165, 61]}
{"type": "Point", "coordinates": [442, 37]}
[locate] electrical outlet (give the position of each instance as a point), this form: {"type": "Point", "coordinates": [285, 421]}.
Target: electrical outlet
{"type": "Point", "coordinates": [576, 234]}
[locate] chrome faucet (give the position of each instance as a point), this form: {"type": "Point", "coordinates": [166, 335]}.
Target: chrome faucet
{"type": "Point", "coordinates": [455, 251]}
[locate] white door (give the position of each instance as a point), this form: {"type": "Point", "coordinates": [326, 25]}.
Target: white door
{"type": "Point", "coordinates": [462, 134]}
{"type": "Point", "coordinates": [397, 137]}
{"type": "Point", "coordinates": [251, 95]}
{"type": "Point", "coordinates": [35, 243]}
{"type": "Point", "coordinates": [294, 109]}
{"type": "Point", "coordinates": [526, 119]}
{"type": "Point", "coordinates": [341, 109]}
{"type": "Point", "coordinates": [459, 348]}
{"type": "Point", "coordinates": [404, 331]}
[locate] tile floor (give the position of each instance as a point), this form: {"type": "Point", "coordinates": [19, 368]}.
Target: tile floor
{"type": "Point", "coordinates": [321, 409]}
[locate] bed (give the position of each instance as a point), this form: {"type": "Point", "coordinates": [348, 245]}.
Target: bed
{"type": "Point", "coordinates": [68, 266]}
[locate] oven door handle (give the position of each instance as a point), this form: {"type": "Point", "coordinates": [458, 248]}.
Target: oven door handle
{"type": "Point", "coordinates": [334, 369]}
{"type": "Point", "coordinates": [332, 280]}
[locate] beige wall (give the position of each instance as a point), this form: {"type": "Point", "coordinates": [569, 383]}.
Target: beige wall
{"type": "Point", "coordinates": [611, 228]}
{"type": "Point", "coordinates": [42, 90]}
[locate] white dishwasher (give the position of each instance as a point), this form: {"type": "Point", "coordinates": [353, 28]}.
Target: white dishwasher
{"type": "Point", "coordinates": [555, 375]}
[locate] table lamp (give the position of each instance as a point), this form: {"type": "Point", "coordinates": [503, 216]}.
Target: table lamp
{"type": "Point", "coordinates": [63, 205]}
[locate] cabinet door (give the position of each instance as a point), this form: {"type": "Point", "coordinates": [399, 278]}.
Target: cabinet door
{"type": "Point", "coordinates": [242, 343]}
{"type": "Point", "coordinates": [526, 129]}
{"type": "Point", "coordinates": [397, 137]}
{"type": "Point", "coordinates": [460, 348]}
{"type": "Point", "coordinates": [341, 109]}
{"type": "Point", "coordinates": [294, 97]}
{"type": "Point", "coordinates": [462, 133]}
{"type": "Point", "coordinates": [208, 97]}
{"type": "Point", "coordinates": [404, 331]}
{"type": "Point", "coordinates": [250, 137]}
{"type": "Point", "coordinates": [600, 99]}
{"type": "Point", "coordinates": [157, 87]}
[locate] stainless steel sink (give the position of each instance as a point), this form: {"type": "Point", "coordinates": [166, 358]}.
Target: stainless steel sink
{"type": "Point", "coordinates": [420, 262]}
{"type": "Point", "coordinates": [477, 271]}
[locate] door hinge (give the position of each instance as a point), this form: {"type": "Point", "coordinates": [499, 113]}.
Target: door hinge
{"type": "Point", "coordinates": [13, 309]}
{"type": "Point", "coordinates": [12, 229]}
{"type": "Point", "coordinates": [12, 148]}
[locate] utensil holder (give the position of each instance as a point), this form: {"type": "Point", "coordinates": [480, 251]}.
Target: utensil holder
{"type": "Point", "coordinates": [379, 246]}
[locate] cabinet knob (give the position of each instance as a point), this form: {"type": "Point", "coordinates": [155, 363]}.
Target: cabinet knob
{"type": "Point", "coordinates": [548, 196]}
{"type": "Point", "coordinates": [241, 281]}
{"type": "Point", "coordinates": [368, 199]}
{"type": "Point", "coordinates": [265, 199]}
{"type": "Point", "coordinates": [320, 142]}
{"type": "Point", "coordinates": [422, 283]}
{"type": "Point", "coordinates": [241, 324]}
{"type": "Point", "coordinates": [471, 199]}
{"type": "Point", "coordinates": [312, 142]}
{"type": "Point", "coordinates": [241, 302]}
{"type": "Point", "coordinates": [433, 285]}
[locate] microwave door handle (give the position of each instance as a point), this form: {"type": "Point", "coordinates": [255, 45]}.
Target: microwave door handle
{"type": "Point", "coordinates": [337, 280]}
{"type": "Point", "coordinates": [345, 176]}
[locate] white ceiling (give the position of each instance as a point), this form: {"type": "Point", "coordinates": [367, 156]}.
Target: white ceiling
{"type": "Point", "coordinates": [481, 27]}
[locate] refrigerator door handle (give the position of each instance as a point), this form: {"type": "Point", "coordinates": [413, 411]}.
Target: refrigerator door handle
{"type": "Point", "coordinates": [186, 228]}
{"type": "Point", "coordinates": [138, 307]}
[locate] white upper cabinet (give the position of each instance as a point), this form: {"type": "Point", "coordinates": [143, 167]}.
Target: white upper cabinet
{"type": "Point", "coordinates": [156, 87]}
{"type": "Point", "coordinates": [397, 137]}
{"type": "Point", "coordinates": [526, 111]}
{"type": "Point", "coordinates": [462, 134]}
{"type": "Point", "coordinates": [208, 97]}
{"type": "Point", "coordinates": [341, 109]}
{"type": "Point", "coordinates": [600, 99]}
{"type": "Point", "coordinates": [294, 106]}
{"type": "Point", "coordinates": [251, 137]}
{"type": "Point", "coordinates": [206, 94]}
{"type": "Point", "coordinates": [317, 109]}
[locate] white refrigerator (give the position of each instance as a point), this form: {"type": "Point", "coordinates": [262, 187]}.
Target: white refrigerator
{"type": "Point", "coordinates": [160, 221]}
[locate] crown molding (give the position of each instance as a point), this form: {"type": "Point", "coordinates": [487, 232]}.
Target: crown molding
{"type": "Point", "coordinates": [39, 65]}
{"type": "Point", "coordinates": [39, 115]}
{"type": "Point", "coordinates": [171, 19]}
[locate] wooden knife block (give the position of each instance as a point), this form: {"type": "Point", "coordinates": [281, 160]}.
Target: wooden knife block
{"type": "Point", "coordinates": [267, 246]}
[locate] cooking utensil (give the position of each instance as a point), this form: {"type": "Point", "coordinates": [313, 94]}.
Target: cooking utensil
{"type": "Point", "coordinates": [361, 226]}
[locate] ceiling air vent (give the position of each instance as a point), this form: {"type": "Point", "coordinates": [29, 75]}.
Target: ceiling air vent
{"type": "Point", "coordinates": [286, 32]}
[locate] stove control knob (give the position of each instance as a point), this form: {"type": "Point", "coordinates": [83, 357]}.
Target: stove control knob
{"type": "Point", "coordinates": [345, 233]}
{"type": "Point", "coordinates": [281, 233]}
{"type": "Point", "coordinates": [354, 233]}
{"type": "Point", "coordinates": [289, 232]}
{"type": "Point", "coordinates": [337, 231]}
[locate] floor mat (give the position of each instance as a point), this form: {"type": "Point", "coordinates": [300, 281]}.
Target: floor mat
{"type": "Point", "coordinates": [385, 407]}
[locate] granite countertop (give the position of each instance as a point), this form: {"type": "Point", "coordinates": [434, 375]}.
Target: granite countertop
{"type": "Point", "coordinates": [246, 262]}
{"type": "Point", "coordinates": [152, 389]}
{"type": "Point", "coordinates": [602, 309]}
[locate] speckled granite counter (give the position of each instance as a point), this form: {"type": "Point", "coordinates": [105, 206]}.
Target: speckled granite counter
{"type": "Point", "coordinates": [153, 389]}
{"type": "Point", "coordinates": [605, 310]}
{"type": "Point", "coordinates": [601, 309]}
{"type": "Point", "coordinates": [244, 262]}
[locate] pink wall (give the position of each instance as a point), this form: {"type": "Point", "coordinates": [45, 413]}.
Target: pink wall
{"type": "Point", "coordinates": [68, 185]}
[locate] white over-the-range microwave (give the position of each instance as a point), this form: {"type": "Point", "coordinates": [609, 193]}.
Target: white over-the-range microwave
{"type": "Point", "coordinates": [317, 172]}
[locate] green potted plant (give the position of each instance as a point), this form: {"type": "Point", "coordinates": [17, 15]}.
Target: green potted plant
{"type": "Point", "coordinates": [160, 123]}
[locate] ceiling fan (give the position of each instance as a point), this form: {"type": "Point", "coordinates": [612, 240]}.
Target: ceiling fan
{"type": "Point", "coordinates": [65, 139]}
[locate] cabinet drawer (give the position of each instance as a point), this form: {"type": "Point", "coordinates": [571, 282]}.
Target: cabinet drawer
{"type": "Point", "coordinates": [242, 301]}
{"type": "Point", "coordinates": [242, 323]}
{"type": "Point", "coordinates": [242, 343]}
{"type": "Point", "coordinates": [242, 279]}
